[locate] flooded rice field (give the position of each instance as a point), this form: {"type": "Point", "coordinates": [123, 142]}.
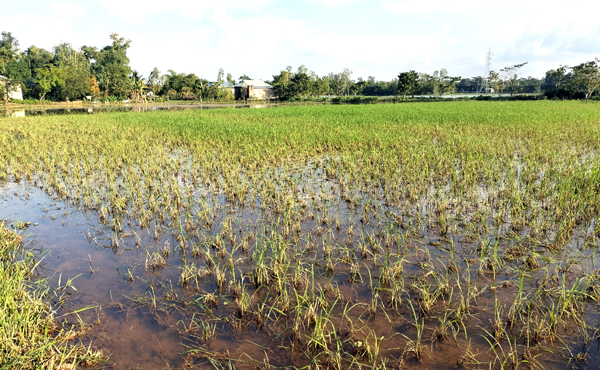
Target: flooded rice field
{"type": "Point", "coordinates": [234, 240]}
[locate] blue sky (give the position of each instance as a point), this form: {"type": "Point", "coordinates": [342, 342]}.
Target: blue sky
{"type": "Point", "coordinates": [372, 38]}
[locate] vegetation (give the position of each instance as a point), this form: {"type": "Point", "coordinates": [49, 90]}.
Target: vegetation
{"type": "Point", "coordinates": [30, 337]}
{"type": "Point", "coordinates": [579, 82]}
{"type": "Point", "coordinates": [344, 236]}
{"type": "Point", "coordinates": [66, 74]}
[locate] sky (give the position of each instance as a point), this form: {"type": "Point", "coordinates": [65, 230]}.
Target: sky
{"type": "Point", "coordinates": [377, 38]}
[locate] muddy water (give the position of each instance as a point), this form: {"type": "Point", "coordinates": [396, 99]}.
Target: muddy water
{"type": "Point", "coordinates": [133, 338]}
{"type": "Point", "coordinates": [142, 323]}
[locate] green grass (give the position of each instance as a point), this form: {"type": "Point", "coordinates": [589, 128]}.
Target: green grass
{"type": "Point", "coordinates": [473, 219]}
{"type": "Point", "coordinates": [30, 337]}
{"type": "Point", "coordinates": [523, 152]}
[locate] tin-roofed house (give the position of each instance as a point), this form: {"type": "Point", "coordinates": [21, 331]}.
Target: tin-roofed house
{"type": "Point", "coordinates": [12, 92]}
{"type": "Point", "coordinates": [254, 89]}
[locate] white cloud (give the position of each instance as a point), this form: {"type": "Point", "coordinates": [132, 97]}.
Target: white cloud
{"type": "Point", "coordinates": [21, 27]}
{"type": "Point", "coordinates": [136, 11]}
{"type": "Point", "coordinates": [68, 10]}
{"type": "Point", "coordinates": [379, 37]}
{"type": "Point", "coordinates": [47, 30]}
{"type": "Point", "coordinates": [334, 2]}
{"type": "Point", "coordinates": [262, 46]}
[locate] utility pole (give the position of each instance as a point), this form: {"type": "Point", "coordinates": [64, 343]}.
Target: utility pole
{"type": "Point", "coordinates": [489, 58]}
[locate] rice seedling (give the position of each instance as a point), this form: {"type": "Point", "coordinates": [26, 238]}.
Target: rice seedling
{"type": "Point", "coordinates": [313, 232]}
{"type": "Point", "coordinates": [31, 335]}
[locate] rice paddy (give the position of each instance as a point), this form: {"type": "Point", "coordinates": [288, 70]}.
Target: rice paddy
{"type": "Point", "coordinates": [451, 234]}
{"type": "Point", "coordinates": [30, 335]}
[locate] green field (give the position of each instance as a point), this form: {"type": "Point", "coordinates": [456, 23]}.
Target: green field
{"type": "Point", "coordinates": [420, 234]}
{"type": "Point", "coordinates": [30, 337]}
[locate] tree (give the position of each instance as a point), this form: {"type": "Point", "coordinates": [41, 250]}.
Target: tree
{"type": "Point", "coordinates": [555, 78]}
{"type": "Point", "coordinates": [244, 77]}
{"type": "Point", "coordinates": [509, 77]}
{"type": "Point", "coordinates": [336, 84]}
{"type": "Point", "coordinates": [110, 65]}
{"type": "Point", "coordinates": [137, 87]}
{"type": "Point", "coordinates": [283, 85]}
{"type": "Point", "coordinates": [451, 83]}
{"type": "Point", "coordinates": [587, 76]}
{"type": "Point", "coordinates": [230, 80]}
{"type": "Point", "coordinates": [9, 50]}
{"type": "Point", "coordinates": [340, 83]}
{"type": "Point", "coordinates": [155, 81]}
{"type": "Point", "coordinates": [176, 82]}
{"type": "Point", "coordinates": [530, 85]}
{"type": "Point", "coordinates": [303, 69]}
{"type": "Point", "coordinates": [48, 78]}
{"type": "Point", "coordinates": [94, 88]}
{"type": "Point", "coordinates": [443, 83]}
{"type": "Point", "coordinates": [479, 83]}
{"type": "Point", "coordinates": [220, 76]}
{"type": "Point", "coordinates": [75, 72]}
{"type": "Point", "coordinates": [18, 75]}
{"type": "Point", "coordinates": [495, 82]}
{"type": "Point", "coordinates": [66, 56]}
{"type": "Point", "coordinates": [436, 80]}
{"type": "Point", "coordinates": [407, 83]}
{"type": "Point", "coordinates": [321, 86]}
{"type": "Point", "coordinates": [217, 91]}
{"type": "Point", "coordinates": [358, 87]}
{"type": "Point", "coordinates": [76, 83]}
{"type": "Point", "coordinates": [17, 71]}
{"type": "Point", "coordinates": [426, 84]}
{"type": "Point", "coordinates": [300, 84]}
{"type": "Point", "coordinates": [346, 81]}
{"type": "Point", "coordinates": [11, 66]}
{"type": "Point", "coordinates": [37, 58]}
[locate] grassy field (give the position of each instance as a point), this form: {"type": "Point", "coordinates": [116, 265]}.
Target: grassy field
{"type": "Point", "coordinates": [30, 337]}
{"type": "Point", "coordinates": [424, 234]}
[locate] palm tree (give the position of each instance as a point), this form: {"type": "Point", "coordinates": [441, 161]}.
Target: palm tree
{"type": "Point", "coordinates": [137, 87]}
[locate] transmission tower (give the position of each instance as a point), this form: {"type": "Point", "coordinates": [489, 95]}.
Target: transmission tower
{"type": "Point", "coordinates": [489, 58]}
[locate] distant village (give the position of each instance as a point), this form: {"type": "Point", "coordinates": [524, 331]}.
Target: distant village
{"type": "Point", "coordinates": [105, 75]}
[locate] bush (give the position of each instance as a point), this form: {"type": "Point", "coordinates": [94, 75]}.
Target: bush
{"type": "Point", "coordinates": [509, 98]}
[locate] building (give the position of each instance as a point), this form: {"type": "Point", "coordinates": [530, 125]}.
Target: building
{"type": "Point", "coordinates": [229, 87]}
{"type": "Point", "coordinates": [254, 89]}
{"type": "Point", "coordinates": [14, 93]}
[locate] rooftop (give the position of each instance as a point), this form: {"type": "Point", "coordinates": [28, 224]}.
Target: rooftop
{"type": "Point", "coordinates": [255, 83]}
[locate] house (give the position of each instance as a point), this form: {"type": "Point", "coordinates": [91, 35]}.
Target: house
{"type": "Point", "coordinates": [254, 89]}
{"type": "Point", "coordinates": [229, 87]}
{"type": "Point", "coordinates": [14, 93]}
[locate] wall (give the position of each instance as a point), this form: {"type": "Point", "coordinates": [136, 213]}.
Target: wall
{"type": "Point", "coordinates": [264, 94]}
{"type": "Point", "coordinates": [15, 93]}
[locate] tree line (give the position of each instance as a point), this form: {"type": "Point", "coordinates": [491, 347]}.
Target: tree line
{"type": "Point", "coordinates": [67, 74]}
{"type": "Point", "coordinates": [578, 82]}
{"type": "Point", "coordinates": [104, 74]}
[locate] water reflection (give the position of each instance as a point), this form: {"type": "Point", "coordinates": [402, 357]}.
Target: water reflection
{"type": "Point", "coordinates": [16, 113]}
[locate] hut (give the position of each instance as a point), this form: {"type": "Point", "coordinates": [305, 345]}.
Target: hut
{"type": "Point", "coordinates": [254, 89]}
